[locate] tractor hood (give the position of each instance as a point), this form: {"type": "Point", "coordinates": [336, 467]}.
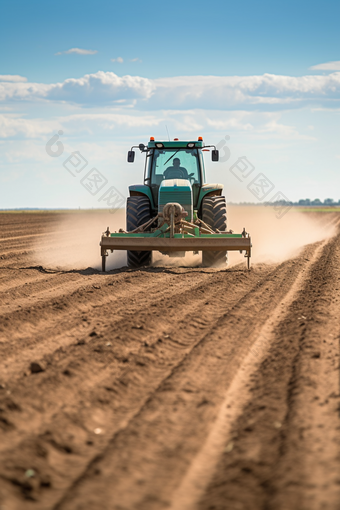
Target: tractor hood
{"type": "Point", "coordinates": [178, 191]}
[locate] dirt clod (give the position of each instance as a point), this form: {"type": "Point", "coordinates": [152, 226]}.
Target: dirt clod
{"type": "Point", "coordinates": [36, 367]}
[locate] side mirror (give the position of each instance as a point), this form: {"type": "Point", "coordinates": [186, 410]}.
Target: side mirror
{"type": "Point", "coordinates": [141, 147]}
{"type": "Point", "coordinates": [214, 155]}
{"type": "Point", "coordinates": [131, 157]}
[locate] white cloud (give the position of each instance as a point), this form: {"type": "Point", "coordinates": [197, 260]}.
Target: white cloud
{"type": "Point", "coordinates": [180, 123]}
{"type": "Point", "coordinates": [265, 93]}
{"type": "Point", "coordinates": [14, 78]}
{"type": "Point", "coordinates": [13, 126]}
{"type": "Point", "coordinates": [254, 92]}
{"type": "Point", "coordinates": [101, 88]}
{"type": "Point", "coordinates": [92, 89]}
{"type": "Point", "coordinates": [20, 91]}
{"type": "Point", "coordinates": [78, 51]}
{"type": "Point", "coordinates": [327, 66]}
{"type": "Point", "coordinates": [263, 125]}
{"type": "Point", "coordinates": [135, 60]}
{"type": "Point", "coordinates": [103, 124]}
{"type": "Point", "coordinates": [120, 60]}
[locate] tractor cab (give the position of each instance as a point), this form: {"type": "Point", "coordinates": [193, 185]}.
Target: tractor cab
{"type": "Point", "coordinates": [173, 169]}
{"type": "Point", "coordinates": [179, 163]}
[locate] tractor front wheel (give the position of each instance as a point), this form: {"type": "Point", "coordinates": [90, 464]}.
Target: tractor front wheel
{"type": "Point", "coordinates": [214, 213]}
{"type": "Point", "coordinates": [138, 212]}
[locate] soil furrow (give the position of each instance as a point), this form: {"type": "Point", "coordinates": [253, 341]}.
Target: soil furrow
{"type": "Point", "coordinates": [277, 448]}
{"type": "Point", "coordinates": [171, 427]}
{"type": "Point", "coordinates": [165, 387]}
{"type": "Point", "coordinates": [165, 353]}
{"type": "Point", "coordinates": [45, 327]}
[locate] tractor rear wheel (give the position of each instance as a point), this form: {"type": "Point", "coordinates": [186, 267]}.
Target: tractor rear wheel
{"type": "Point", "coordinates": [138, 212]}
{"type": "Point", "coordinates": [214, 213]}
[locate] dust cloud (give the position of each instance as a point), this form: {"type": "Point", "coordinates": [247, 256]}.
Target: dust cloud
{"type": "Point", "coordinates": [188, 260]}
{"type": "Point", "coordinates": [275, 240]}
{"type": "Point", "coordinates": [76, 238]}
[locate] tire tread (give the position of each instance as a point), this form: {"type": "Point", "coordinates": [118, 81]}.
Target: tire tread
{"type": "Point", "coordinates": [138, 212]}
{"type": "Point", "coordinates": [214, 213]}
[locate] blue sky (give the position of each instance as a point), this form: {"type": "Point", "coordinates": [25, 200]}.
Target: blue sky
{"type": "Point", "coordinates": [266, 74]}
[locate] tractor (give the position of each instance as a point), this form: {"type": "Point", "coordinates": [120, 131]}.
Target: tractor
{"type": "Point", "coordinates": [175, 210]}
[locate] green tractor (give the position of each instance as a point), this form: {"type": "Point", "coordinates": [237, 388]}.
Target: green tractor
{"type": "Point", "coordinates": [175, 210]}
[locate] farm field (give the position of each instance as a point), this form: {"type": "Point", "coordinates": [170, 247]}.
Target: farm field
{"type": "Point", "coordinates": [170, 387]}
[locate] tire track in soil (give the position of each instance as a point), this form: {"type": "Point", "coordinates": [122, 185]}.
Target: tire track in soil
{"type": "Point", "coordinates": [130, 322]}
{"type": "Point", "coordinates": [190, 333]}
{"type": "Point", "coordinates": [204, 293]}
{"type": "Point", "coordinates": [32, 330]}
{"type": "Point", "coordinates": [283, 449]}
{"type": "Point", "coordinates": [145, 461]}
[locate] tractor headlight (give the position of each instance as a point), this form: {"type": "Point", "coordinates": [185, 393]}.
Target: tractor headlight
{"type": "Point", "coordinates": [190, 145]}
{"type": "Point", "coordinates": [159, 145]}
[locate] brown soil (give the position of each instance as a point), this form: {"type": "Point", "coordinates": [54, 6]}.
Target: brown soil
{"type": "Point", "coordinates": [168, 387]}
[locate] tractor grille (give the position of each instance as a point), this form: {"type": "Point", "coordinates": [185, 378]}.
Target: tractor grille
{"type": "Point", "coordinates": [182, 197]}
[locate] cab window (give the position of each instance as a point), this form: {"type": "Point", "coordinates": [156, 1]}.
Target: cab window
{"type": "Point", "coordinates": [175, 164]}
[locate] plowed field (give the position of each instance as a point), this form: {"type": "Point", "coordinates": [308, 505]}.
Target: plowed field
{"type": "Point", "coordinates": [167, 387]}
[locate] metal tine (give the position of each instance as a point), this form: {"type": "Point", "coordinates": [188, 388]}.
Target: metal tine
{"type": "Point", "coordinates": [141, 228]}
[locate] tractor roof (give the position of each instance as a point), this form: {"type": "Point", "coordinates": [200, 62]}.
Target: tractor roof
{"type": "Point", "coordinates": [180, 144]}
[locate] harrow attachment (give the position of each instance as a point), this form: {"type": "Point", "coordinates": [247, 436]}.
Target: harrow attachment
{"type": "Point", "coordinates": [169, 232]}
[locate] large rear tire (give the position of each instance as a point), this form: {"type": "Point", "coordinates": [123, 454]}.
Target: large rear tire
{"type": "Point", "coordinates": [214, 213]}
{"type": "Point", "coordinates": [138, 211]}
